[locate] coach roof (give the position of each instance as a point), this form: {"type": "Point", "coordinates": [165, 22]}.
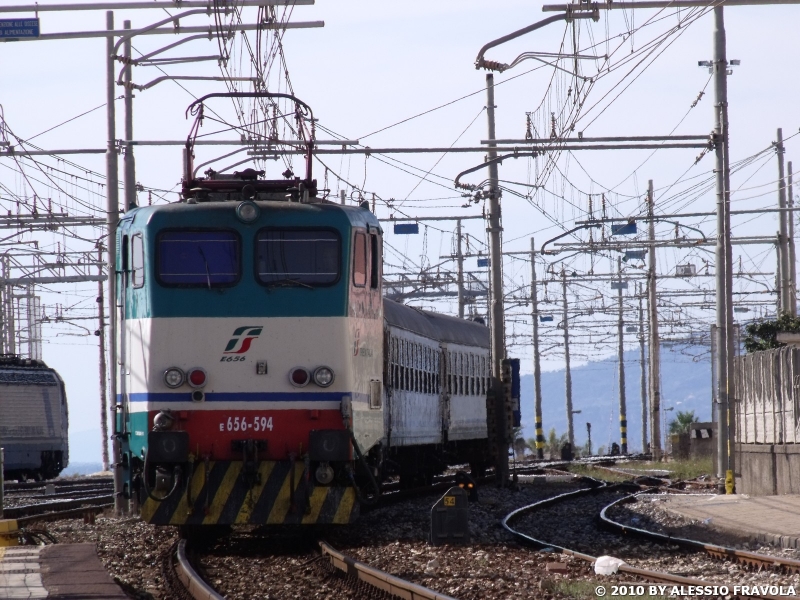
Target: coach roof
{"type": "Point", "coordinates": [435, 326]}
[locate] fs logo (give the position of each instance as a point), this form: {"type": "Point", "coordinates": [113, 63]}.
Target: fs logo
{"type": "Point", "coordinates": [242, 338]}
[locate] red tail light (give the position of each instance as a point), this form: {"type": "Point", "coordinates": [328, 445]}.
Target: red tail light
{"type": "Point", "coordinates": [197, 377]}
{"type": "Point", "coordinates": [299, 377]}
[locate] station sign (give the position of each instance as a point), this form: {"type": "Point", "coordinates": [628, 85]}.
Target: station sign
{"type": "Point", "coordinates": [624, 229]}
{"type": "Point", "coordinates": [483, 262]}
{"type": "Point", "coordinates": [406, 228]}
{"type": "Point", "coordinates": [16, 29]}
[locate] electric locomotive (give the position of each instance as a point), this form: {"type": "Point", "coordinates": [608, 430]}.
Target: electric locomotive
{"type": "Point", "coordinates": [34, 419]}
{"type": "Point", "coordinates": [263, 377]}
{"type": "Point", "coordinates": [251, 352]}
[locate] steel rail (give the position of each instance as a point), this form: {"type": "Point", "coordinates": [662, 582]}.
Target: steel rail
{"type": "Point", "coordinates": [656, 576]}
{"type": "Point", "coordinates": [28, 485]}
{"type": "Point", "coordinates": [62, 514]}
{"type": "Point", "coordinates": [191, 580]}
{"type": "Point", "coordinates": [379, 579]}
{"type": "Point", "coordinates": [751, 559]}
{"type": "Point", "coordinates": [45, 507]}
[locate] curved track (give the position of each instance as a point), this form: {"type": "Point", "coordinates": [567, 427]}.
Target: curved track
{"type": "Point", "coordinates": [584, 519]}
{"type": "Point", "coordinates": [356, 575]}
{"type": "Point", "coordinates": [750, 559]}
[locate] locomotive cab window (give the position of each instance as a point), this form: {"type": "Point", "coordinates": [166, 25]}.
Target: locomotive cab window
{"type": "Point", "coordinates": [306, 257]}
{"type": "Point", "coordinates": [124, 266]}
{"type": "Point", "coordinates": [375, 268]}
{"type": "Point", "coordinates": [137, 261]}
{"type": "Point", "coordinates": [360, 260]}
{"type": "Point", "coordinates": [198, 258]}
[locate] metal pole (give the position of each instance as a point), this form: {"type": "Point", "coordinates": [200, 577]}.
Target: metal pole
{"type": "Point", "coordinates": [567, 373]}
{"type": "Point", "coordinates": [128, 160]}
{"type": "Point", "coordinates": [112, 215]}
{"type": "Point", "coordinates": [643, 374]}
{"type": "Point", "coordinates": [2, 479]}
{"type": "Point", "coordinates": [792, 261]}
{"type": "Point", "coordinates": [6, 313]}
{"type": "Point", "coordinates": [496, 291]}
{"type": "Point", "coordinates": [589, 436]}
{"type": "Point", "coordinates": [655, 358]}
{"type": "Point", "coordinates": [783, 236]}
{"type": "Point", "coordinates": [537, 368]}
{"type": "Point", "coordinates": [12, 321]}
{"type": "Point", "coordinates": [623, 413]}
{"type": "Point", "coordinates": [724, 265]}
{"type": "Point", "coordinates": [460, 263]}
{"type": "Point", "coordinates": [101, 332]}
{"type": "Point", "coordinates": [342, 197]}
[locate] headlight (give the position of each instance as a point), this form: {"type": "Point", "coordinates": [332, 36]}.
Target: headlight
{"type": "Point", "coordinates": [247, 211]}
{"type": "Point", "coordinates": [323, 376]}
{"type": "Point", "coordinates": [173, 377]}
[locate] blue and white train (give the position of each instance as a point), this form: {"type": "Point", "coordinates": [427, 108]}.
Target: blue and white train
{"type": "Point", "coordinates": [264, 379]}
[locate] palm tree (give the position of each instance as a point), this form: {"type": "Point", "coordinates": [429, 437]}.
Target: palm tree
{"type": "Point", "coordinates": [682, 422]}
{"type": "Point", "coordinates": [554, 443]}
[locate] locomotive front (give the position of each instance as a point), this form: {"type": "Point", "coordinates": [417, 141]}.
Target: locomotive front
{"type": "Point", "coordinates": [251, 353]}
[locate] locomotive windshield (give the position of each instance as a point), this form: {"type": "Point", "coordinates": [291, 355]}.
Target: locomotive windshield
{"type": "Point", "coordinates": [199, 258]}
{"type": "Point", "coordinates": [304, 256]}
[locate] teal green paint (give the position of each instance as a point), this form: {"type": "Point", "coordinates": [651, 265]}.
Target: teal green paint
{"type": "Point", "coordinates": [248, 298]}
{"type": "Point", "coordinates": [135, 444]}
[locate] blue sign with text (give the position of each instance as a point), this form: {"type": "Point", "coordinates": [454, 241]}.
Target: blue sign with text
{"type": "Point", "coordinates": [406, 228]}
{"type": "Point", "coordinates": [19, 28]}
{"type": "Point", "coordinates": [624, 229]}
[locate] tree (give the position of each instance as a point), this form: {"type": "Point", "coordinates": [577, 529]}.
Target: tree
{"type": "Point", "coordinates": [520, 444]}
{"type": "Point", "coordinates": [554, 443]}
{"type": "Point", "coordinates": [763, 335]}
{"type": "Point", "coordinates": [682, 422]}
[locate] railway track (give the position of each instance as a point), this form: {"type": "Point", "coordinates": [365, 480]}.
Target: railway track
{"type": "Point", "coordinates": [59, 484]}
{"type": "Point", "coordinates": [333, 568]}
{"type": "Point", "coordinates": [750, 559]}
{"type": "Point", "coordinates": [577, 534]}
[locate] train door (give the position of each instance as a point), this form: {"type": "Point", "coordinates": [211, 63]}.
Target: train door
{"type": "Point", "coordinates": [366, 323]}
{"type": "Point", "coordinates": [130, 280]}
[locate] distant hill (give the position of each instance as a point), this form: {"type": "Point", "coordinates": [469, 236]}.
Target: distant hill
{"type": "Point", "coordinates": [685, 385]}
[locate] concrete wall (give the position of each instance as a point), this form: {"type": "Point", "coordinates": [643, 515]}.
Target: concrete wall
{"type": "Point", "coordinates": [702, 439]}
{"type": "Point", "coordinates": [768, 469]}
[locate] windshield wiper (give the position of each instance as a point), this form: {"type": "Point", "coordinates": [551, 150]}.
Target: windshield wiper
{"type": "Point", "coordinates": [205, 261]}
{"type": "Point", "coordinates": [289, 283]}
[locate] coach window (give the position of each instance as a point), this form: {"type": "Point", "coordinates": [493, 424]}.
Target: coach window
{"type": "Point", "coordinates": [419, 367]}
{"type": "Point", "coordinates": [451, 378]}
{"type": "Point", "coordinates": [437, 366]}
{"type": "Point", "coordinates": [137, 261]}
{"type": "Point", "coordinates": [472, 375]}
{"type": "Point", "coordinates": [405, 365]}
{"type": "Point", "coordinates": [360, 260]}
{"type": "Point", "coordinates": [198, 258]}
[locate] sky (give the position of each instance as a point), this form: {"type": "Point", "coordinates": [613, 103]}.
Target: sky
{"type": "Point", "coordinates": [403, 75]}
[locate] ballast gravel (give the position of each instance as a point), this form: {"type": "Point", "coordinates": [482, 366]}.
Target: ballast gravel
{"type": "Point", "coordinates": [277, 564]}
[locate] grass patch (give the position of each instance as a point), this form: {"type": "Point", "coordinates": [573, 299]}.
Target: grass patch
{"type": "Point", "coordinates": [602, 474]}
{"type": "Point", "coordinates": [679, 469]}
{"type": "Point", "coordinates": [585, 590]}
